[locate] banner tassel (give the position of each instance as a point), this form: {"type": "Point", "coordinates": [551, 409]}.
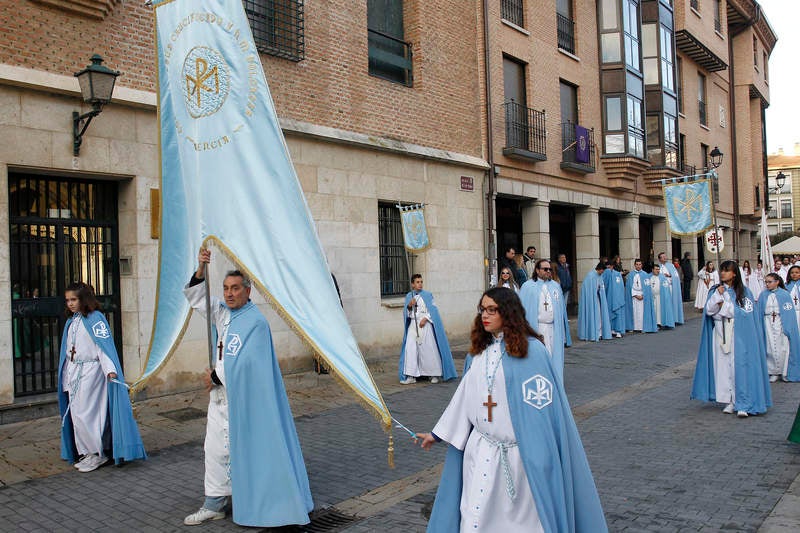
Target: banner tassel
{"type": "Point", "coordinates": [390, 451]}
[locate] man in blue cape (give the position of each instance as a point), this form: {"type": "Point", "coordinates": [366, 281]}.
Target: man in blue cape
{"type": "Point", "coordinates": [252, 451]}
{"type": "Point", "coordinates": [661, 289]}
{"type": "Point", "coordinates": [425, 350]}
{"type": "Point", "coordinates": [593, 320]}
{"type": "Point", "coordinates": [751, 394]}
{"type": "Point", "coordinates": [788, 368]}
{"type": "Point", "coordinates": [640, 315]}
{"type": "Point", "coordinates": [552, 454]}
{"type": "Point", "coordinates": [126, 443]}
{"type": "Point", "coordinates": [671, 273]}
{"type": "Point", "coordinates": [546, 312]}
{"type": "Point", "coordinates": [615, 296]}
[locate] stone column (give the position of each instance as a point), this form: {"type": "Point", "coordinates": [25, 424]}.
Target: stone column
{"type": "Point", "coordinates": [628, 239]}
{"type": "Point", "coordinates": [6, 337]}
{"type": "Point", "coordinates": [536, 228]}
{"type": "Point", "coordinates": [662, 238]}
{"type": "Point", "coordinates": [587, 242]}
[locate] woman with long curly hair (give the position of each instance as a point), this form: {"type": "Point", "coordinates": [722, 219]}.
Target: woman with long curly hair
{"type": "Point", "coordinates": [515, 460]}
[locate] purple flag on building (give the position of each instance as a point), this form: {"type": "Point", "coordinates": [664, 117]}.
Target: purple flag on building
{"type": "Point", "coordinates": [581, 144]}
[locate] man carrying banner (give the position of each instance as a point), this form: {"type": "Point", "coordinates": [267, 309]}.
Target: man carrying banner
{"type": "Point", "coordinates": [251, 441]}
{"type": "Point", "coordinates": [426, 351]}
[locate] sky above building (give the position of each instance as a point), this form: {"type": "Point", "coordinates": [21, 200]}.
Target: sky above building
{"type": "Point", "coordinates": [783, 113]}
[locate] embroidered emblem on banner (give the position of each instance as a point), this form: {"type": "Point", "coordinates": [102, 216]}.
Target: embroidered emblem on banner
{"type": "Point", "coordinates": [748, 305]}
{"type": "Point", "coordinates": [100, 330]}
{"type": "Point", "coordinates": [207, 78]}
{"type": "Point", "coordinates": [234, 345]}
{"type": "Point", "coordinates": [787, 306]}
{"type": "Point", "coordinates": [538, 391]}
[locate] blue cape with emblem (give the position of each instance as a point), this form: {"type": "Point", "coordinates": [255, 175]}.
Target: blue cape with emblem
{"type": "Point", "coordinates": [268, 476]}
{"type": "Point", "coordinates": [789, 324]}
{"type": "Point", "coordinates": [448, 365]}
{"type": "Point", "coordinates": [665, 300]}
{"type": "Point", "coordinates": [615, 295]}
{"type": "Point", "coordinates": [649, 319]}
{"type": "Point", "coordinates": [529, 295]}
{"type": "Point", "coordinates": [589, 316]}
{"type": "Point", "coordinates": [552, 454]}
{"type": "Point", "coordinates": [126, 443]}
{"type": "Point", "coordinates": [677, 296]}
{"type": "Point", "coordinates": [749, 356]}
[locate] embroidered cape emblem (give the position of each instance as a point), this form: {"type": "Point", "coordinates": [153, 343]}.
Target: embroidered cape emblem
{"type": "Point", "coordinates": [100, 330]}
{"type": "Point", "coordinates": [234, 345]}
{"type": "Point", "coordinates": [537, 392]}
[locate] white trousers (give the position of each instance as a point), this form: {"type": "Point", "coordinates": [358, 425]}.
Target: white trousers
{"type": "Point", "coordinates": [217, 446]}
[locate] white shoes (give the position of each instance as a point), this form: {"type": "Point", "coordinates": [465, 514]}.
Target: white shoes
{"type": "Point", "coordinates": [728, 409]}
{"type": "Point", "coordinates": [203, 515]}
{"type": "Point", "coordinates": [409, 380]}
{"type": "Point", "coordinates": [434, 379]}
{"type": "Point", "coordinates": [742, 414]}
{"type": "Point", "coordinates": [92, 462]}
{"type": "Point", "coordinates": [773, 379]}
{"type": "Point", "coordinates": [617, 334]}
{"type": "Point", "coordinates": [80, 463]}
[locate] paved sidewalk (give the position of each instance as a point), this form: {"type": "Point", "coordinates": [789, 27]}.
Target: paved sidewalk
{"type": "Point", "coordinates": [661, 461]}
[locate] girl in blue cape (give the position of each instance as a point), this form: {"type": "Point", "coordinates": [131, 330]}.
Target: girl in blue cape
{"type": "Point", "coordinates": [92, 398]}
{"type": "Point", "coordinates": [515, 460]}
{"type": "Point", "coordinates": [781, 335]}
{"type": "Point", "coordinates": [731, 361]}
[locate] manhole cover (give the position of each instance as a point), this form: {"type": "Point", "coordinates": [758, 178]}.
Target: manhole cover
{"type": "Point", "coordinates": [184, 415]}
{"type": "Point", "coordinates": [328, 520]}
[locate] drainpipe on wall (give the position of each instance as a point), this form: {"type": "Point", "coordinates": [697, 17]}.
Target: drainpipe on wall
{"type": "Point", "coordinates": [490, 263]}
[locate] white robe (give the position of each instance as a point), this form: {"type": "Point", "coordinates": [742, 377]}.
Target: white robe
{"type": "Point", "coordinates": [85, 379]}
{"type": "Point", "coordinates": [723, 352]}
{"type": "Point", "coordinates": [546, 318]}
{"type": "Point", "coordinates": [217, 480]}
{"type": "Point", "coordinates": [655, 287]}
{"type": "Point", "coordinates": [422, 356]}
{"type": "Point", "coordinates": [777, 342]}
{"type": "Point", "coordinates": [637, 289]}
{"type": "Point", "coordinates": [702, 287]}
{"type": "Point", "coordinates": [485, 504]}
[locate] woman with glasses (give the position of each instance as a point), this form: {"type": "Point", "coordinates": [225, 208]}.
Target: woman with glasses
{"type": "Point", "coordinates": [731, 363]}
{"type": "Point", "coordinates": [515, 460]}
{"type": "Point", "coordinates": [781, 335]}
{"type": "Point", "coordinates": [507, 279]}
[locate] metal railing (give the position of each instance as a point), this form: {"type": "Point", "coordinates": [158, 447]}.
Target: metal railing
{"type": "Point", "coordinates": [525, 128]}
{"type": "Point", "coordinates": [393, 266]}
{"type": "Point", "coordinates": [512, 11]}
{"type": "Point", "coordinates": [390, 58]}
{"type": "Point", "coordinates": [687, 169]}
{"type": "Point", "coordinates": [566, 33]}
{"type": "Point", "coordinates": [570, 145]}
{"type": "Point", "coordinates": [278, 27]}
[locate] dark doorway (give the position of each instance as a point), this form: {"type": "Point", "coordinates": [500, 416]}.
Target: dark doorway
{"type": "Point", "coordinates": [676, 249]}
{"type": "Point", "coordinates": [61, 230]}
{"type": "Point", "coordinates": [509, 225]}
{"type": "Point", "coordinates": [646, 242]}
{"type": "Point", "coordinates": [562, 241]}
{"type": "Point", "coordinates": [609, 234]}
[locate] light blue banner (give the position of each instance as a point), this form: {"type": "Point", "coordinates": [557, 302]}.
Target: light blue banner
{"type": "Point", "coordinates": [415, 233]}
{"type": "Point", "coordinates": [227, 178]}
{"type": "Point", "coordinates": [688, 205]}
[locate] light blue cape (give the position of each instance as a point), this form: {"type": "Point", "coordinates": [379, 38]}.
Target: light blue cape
{"type": "Point", "coordinates": [268, 476]}
{"type": "Point", "coordinates": [448, 365]}
{"type": "Point", "coordinates": [592, 288]}
{"type": "Point", "coordinates": [789, 323]}
{"type": "Point", "coordinates": [615, 295]}
{"type": "Point", "coordinates": [126, 443]}
{"type": "Point", "coordinates": [649, 320]}
{"type": "Point", "coordinates": [552, 455]}
{"type": "Point", "coordinates": [749, 354]}
{"type": "Point", "coordinates": [529, 295]}
{"type": "Point", "coordinates": [677, 296]}
{"type": "Point", "coordinates": [665, 301]}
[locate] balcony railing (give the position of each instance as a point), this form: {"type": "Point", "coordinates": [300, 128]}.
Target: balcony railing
{"type": "Point", "coordinates": [389, 58]}
{"type": "Point", "coordinates": [566, 33]}
{"type": "Point", "coordinates": [701, 106]}
{"type": "Point", "coordinates": [577, 153]}
{"type": "Point", "coordinates": [526, 135]}
{"type": "Point", "coordinates": [511, 10]}
{"type": "Point", "coordinates": [687, 169]}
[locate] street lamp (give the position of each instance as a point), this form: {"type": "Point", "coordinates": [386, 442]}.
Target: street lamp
{"type": "Point", "coordinates": [97, 84]}
{"type": "Point", "coordinates": [716, 157]}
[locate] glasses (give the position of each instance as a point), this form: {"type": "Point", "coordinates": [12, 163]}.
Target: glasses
{"type": "Point", "coordinates": [488, 310]}
{"type": "Point", "coordinates": [546, 269]}
{"type": "Point", "coordinates": [506, 273]}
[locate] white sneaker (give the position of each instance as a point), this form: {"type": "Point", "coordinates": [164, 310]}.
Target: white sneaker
{"type": "Point", "coordinates": [434, 379]}
{"type": "Point", "coordinates": [409, 380]}
{"type": "Point", "coordinates": [203, 515]}
{"type": "Point", "coordinates": [728, 409]}
{"type": "Point", "coordinates": [80, 463]}
{"type": "Point", "coordinates": [93, 463]}
{"type": "Point", "coordinates": [773, 379]}
{"type": "Point", "coordinates": [742, 414]}
{"type": "Point", "coordinates": [617, 334]}
{"type": "Point", "coordinates": [784, 379]}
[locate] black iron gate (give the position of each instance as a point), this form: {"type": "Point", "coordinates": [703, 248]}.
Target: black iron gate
{"type": "Point", "coordinates": [61, 230]}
